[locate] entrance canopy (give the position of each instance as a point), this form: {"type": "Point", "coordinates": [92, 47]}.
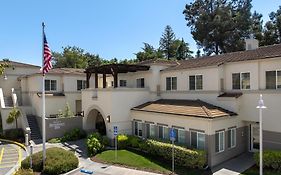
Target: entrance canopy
{"type": "Point", "coordinates": [113, 69]}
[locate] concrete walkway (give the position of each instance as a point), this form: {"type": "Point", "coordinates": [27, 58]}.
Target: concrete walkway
{"type": "Point", "coordinates": [85, 163]}
{"type": "Point", "coordinates": [235, 166]}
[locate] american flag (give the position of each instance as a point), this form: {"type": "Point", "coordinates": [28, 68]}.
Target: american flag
{"type": "Point", "coordinates": [47, 57]}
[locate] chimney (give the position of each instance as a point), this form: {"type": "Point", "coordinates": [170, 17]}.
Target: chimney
{"type": "Point", "coordinates": [251, 43]}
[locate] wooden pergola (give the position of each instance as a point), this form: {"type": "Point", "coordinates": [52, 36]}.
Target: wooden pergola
{"type": "Point", "coordinates": [112, 69]}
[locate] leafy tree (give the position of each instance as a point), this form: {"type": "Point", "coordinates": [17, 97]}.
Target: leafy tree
{"type": "Point", "coordinates": [148, 52]}
{"type": "Point", "coordinates": [13, 116]}
{"type": "Point", "coordinates": [272, 31]}
{"type": "Point", "coordinates": [3, 65]}
{"type": "Point", "coordinates": [71, 57]}
{"type": "Point", "coordinates": [257, 26]}
{"type": "Point", "coordinates": [181, 49]}
{"type": "Point", "coordinates": [166, 42]}
{"type": "Point", "coordinates": [219, 26]}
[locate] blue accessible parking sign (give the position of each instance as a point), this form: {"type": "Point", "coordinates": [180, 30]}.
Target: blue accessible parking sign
{"type": "Point", "coordinates": [172, 134]}
{"type": "Point", "coordinates": [115, 130]}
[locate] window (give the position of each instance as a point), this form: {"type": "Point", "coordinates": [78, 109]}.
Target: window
{"type": "Point", "coordinates": [180, 135]}
{"type": "Point", "coordinates": [219, 141]}
{"type": "Point", "coordinates": [196, 82]}
{"type": "Point", "coordinates": [150, 129]}
{"type": "Point", "coordinates": [164, 133]}
{"type": "Point", "coordinates": [123, 83]}
{"type": "Point", "coordinates": [138, 129]}
{"type": "Point", "coordinates": [273, 79]}
{"type": "Point", "coordinates": [171, 83]}
{"type": "Point", "coordinates": [81, 84]}
{"type": "Point", "coordinates": [241, 80]}
{"type": "Point", "coordinates": [50, 85]}
{"type": "Point", "coordinates": [231, 134]}
{"type": "Point", "coordinates": [197, 140]}
{"type": "Point", "coordinates": [140, 83]}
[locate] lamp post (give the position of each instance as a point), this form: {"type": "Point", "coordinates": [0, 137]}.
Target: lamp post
{"type": "Point", "coordinates": [260, 107]}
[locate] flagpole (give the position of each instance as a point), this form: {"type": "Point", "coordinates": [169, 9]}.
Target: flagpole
{"type": "Point", "coordinates": [43, 100]}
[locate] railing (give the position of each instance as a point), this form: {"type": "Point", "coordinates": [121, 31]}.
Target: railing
{"type": "Point", "coordinates": [2, 103]}
{"type": "Point", "coordinates": [24, 122]}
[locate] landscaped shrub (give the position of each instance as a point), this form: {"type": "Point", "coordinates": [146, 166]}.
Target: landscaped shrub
{"type": "Point", "coordinates": [122, 141]}
{"type": "Point", "coordinates": [271, 159]}
{"type": "Point", "coordinates": [14, 134]}
{"type": "Point", "coordinates": [183, 156]}
{"type": "Point", "coordinates": [72, 135]}
{"type": "Point", "coordinates": [24, 172]}
{"type": "Point", "coordinates": [58, 161]}
{"type": "Point", "coordinates": [94, 144]}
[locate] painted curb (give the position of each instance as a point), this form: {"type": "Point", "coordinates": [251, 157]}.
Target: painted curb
{"type": "Point", "coordinates": [14, 142]}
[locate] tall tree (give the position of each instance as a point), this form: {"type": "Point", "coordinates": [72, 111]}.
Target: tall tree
{"type": "Point", "coordinates": [182, 51]}
{"type": "Point", "coordinates": [275, 20]}
{"type": "Point", "coordinates": [166, 42]}
{"type": "Point", "coordinates": [148, 52]}
{"type": "Point", "coordinates": [257, 26]}
{"type": "Point", "coordinates": [219, 26]}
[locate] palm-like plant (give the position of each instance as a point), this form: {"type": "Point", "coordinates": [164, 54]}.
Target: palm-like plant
{"type": "Point", "coordinates": [13, 116]}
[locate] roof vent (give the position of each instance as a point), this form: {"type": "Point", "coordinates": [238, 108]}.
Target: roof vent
{"type": "Point", "coordinates": [251, 43]}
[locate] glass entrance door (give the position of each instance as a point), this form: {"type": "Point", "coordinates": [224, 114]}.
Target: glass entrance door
{"type": "Point", "coordinates": [255, 137]}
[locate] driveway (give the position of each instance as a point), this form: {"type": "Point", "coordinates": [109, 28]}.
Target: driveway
{"type": "Point", "coordinates": [10, 156]}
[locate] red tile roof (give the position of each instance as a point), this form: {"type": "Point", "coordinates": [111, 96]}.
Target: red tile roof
{"type": "Point", "coordinates": [264, 52]}
{"type": "Point", "coordinates": [192, 108]}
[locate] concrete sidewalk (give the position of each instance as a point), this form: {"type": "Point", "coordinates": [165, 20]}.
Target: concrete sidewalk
{"type": "Point", "coordinates": [235, 166]}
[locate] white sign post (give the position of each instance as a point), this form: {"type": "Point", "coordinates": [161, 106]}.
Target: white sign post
{"type": "Point", "coordinates": [260, 107]}
{"type": "Point", "coordinates": [172, 138]}
{"type": "Point", "coordinates": [115, 129]}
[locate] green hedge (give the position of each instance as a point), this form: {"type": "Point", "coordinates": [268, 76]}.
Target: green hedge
{"type": "Point", "coordinates": [183, 156]}
{"type": "Point", "coordinates": [271, 159]}
{"type": "Point", "coordinates": [74, 134]}
{"type": "Point", "coordinates": [58, 161]}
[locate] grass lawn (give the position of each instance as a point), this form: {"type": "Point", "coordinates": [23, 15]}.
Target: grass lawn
{"type": "Point", "coordinates": [142, 162]}
{"type": "Point", "coordinates": [255, 171]}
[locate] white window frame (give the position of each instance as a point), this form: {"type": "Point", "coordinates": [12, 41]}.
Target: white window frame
{"type": "Point", "coordinates": [138, 133]}
{"type": "Point", "coordinates": [240, 73]}
{"type": "Point", "coordinates": [219, 132]}
{"type": "Point", "coordinates": [50, 88]}
{"type": "Point", "coordinates": [195, 85]}
{"type": "Point", "coordinates": [231, 144]}
{"type": "Point", "coordinates": [180, 129]}
{"type": "Point", "coordinates": [140, 80]}
{"type": "Point", "coordinates": [276, 77]}
{"type": "Point", "coordinates": [152, 124]}
{"type": "Point", "coordinates": [163, 131]}
{"type": "Point", "coordinates": [171, 83]}
{"type": "Point", "coordinates": [83, 84]}
{"type": "Point", "coordinates": [197, 133]}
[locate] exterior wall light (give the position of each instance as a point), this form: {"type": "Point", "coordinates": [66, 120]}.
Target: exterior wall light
{"type": "Point", "coordinates": [108, 118]}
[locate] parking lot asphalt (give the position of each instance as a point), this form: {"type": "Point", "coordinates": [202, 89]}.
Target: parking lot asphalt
{"type": "Point", "coordinates": [10, 156]}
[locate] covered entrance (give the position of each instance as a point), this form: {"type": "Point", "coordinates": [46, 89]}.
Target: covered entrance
{"type": "Point", "coordinates": [254, 137]}
{"type": "Point", "coordinates": [95, 122]}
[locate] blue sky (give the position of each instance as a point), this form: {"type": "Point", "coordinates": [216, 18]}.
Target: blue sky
{"type": "Point", "coordinates": [111, 29]}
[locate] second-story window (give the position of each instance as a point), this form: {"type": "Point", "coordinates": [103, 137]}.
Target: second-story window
{"type": "Point", "coordinates": [50, 85]}
{"type": "Point", "coordinates": [196, 82]}
{"type": "Point", "coordinates": [171, 83]}
{"type": "Point", "coordinates": [273, 79]}
{"type": "Point", "coordinates": [81, 84]}
{"type": "Point", "coordinates": [123, 83]}
{"type": "Point", "coordinates": [241, 80]}
{"type": "Point", "coordinates": [140, 83]}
